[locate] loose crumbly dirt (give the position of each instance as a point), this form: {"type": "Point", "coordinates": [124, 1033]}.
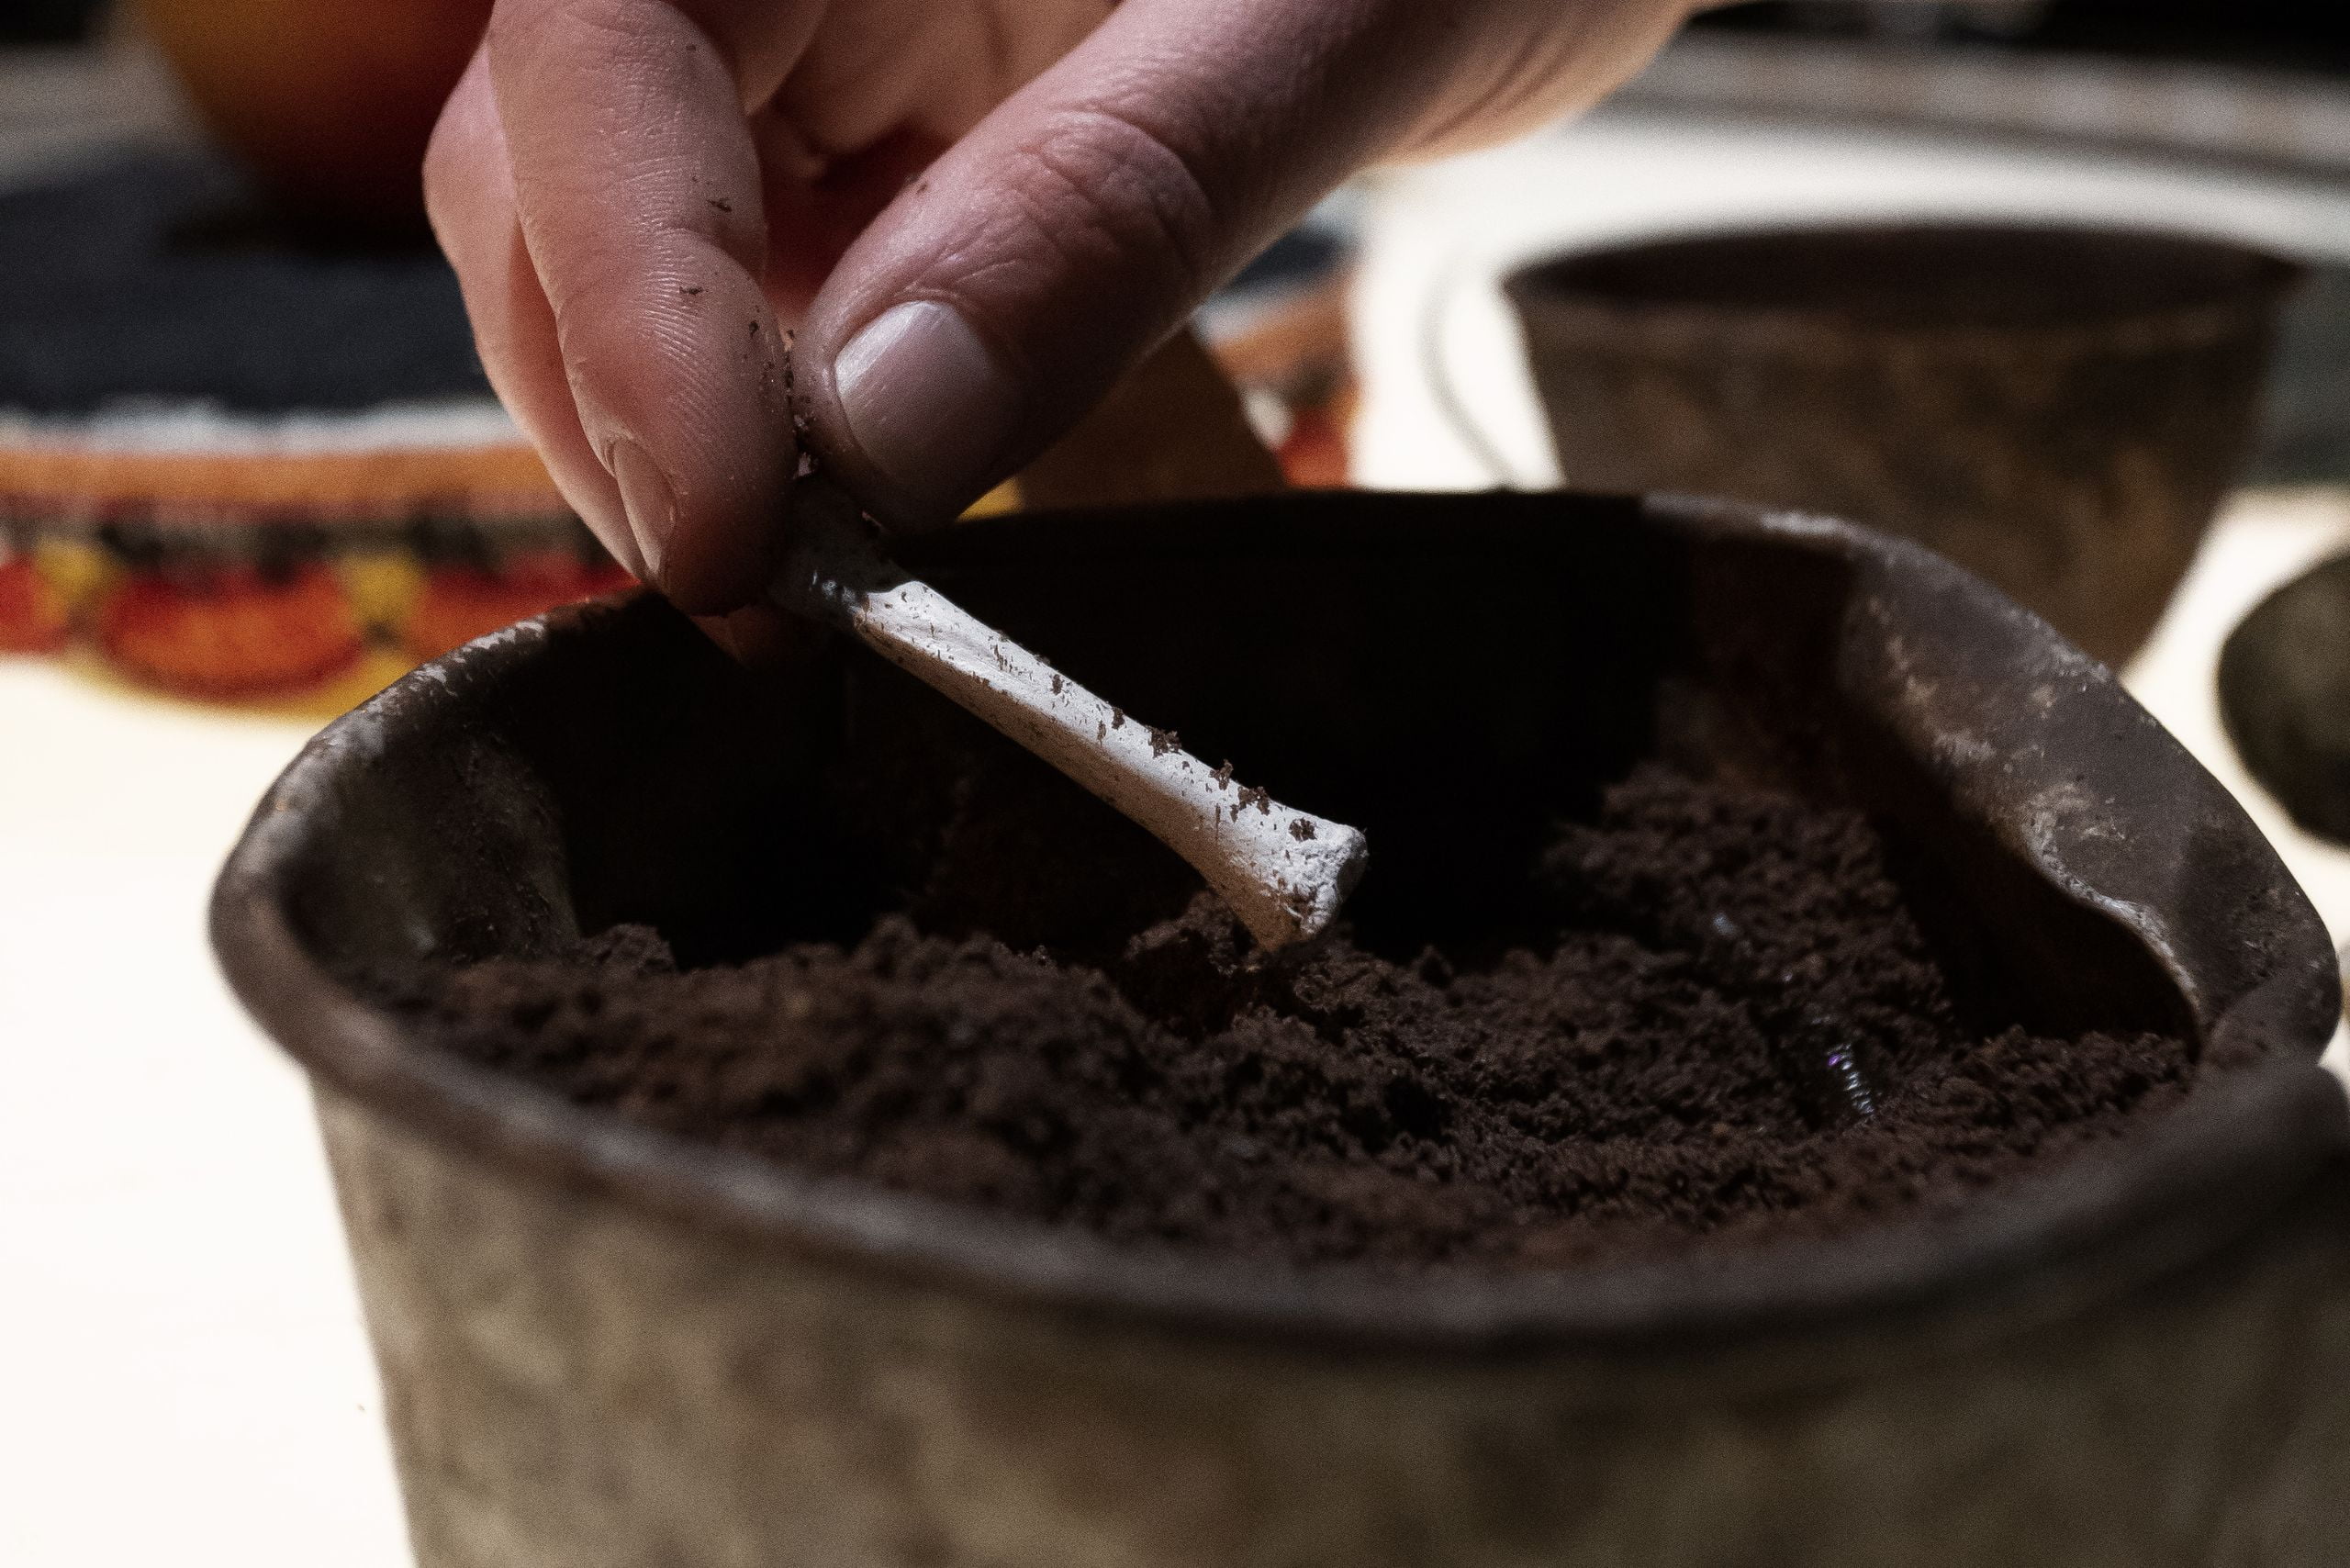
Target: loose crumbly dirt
{"type": "Point", "coordinates": [1739, 1031]}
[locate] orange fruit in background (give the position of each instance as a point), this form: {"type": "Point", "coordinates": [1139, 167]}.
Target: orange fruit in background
{"type": "Point", "coordinates": [233, 634]}
{"type": "Point", "coordinates": [330, 102]}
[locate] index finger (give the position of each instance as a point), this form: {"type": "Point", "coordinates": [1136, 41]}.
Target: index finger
{"type": "Point", "coordinates": [637, 188]}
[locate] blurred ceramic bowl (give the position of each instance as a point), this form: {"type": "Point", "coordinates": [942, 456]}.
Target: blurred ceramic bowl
{"type": "Point", "coordinates": [330, 103]}
{"type": "Point", "coordinates": [2059, 409]}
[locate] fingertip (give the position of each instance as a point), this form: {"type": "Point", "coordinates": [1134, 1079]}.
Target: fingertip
{"type": "Point", "coordinates": [723, 566]}
{"type": "Point", "coordinates": [643, 231]}
{"type": "Point", "coordinates": [647, 498]}
{"type": "Point", "coordinates": [702, 462]}
{"type": "Point", "coordinates": [470, 200]}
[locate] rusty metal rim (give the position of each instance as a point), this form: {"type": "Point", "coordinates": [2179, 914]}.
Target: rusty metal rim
{"type": "Point", "coordinates": [2189, 1185]}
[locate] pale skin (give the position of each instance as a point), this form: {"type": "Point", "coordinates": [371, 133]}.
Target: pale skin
{"type": "Point", "coordinates": [974, 213]}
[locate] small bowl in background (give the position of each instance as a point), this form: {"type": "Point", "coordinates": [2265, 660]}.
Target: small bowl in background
{"type": "Point", "coordinates": [2059, 409]}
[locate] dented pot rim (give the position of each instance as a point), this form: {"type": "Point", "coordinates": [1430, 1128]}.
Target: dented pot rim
{"type": "Point", "coordinates": [2187, 1185]}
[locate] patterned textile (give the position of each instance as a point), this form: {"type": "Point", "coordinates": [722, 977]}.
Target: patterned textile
{"type": "Point", "coordinates": [239, 465]}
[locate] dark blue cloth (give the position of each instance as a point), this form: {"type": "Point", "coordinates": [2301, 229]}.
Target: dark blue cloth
{"type": "Point", "coordinates": [160, 276]}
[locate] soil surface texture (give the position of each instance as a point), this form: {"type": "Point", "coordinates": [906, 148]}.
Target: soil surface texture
{"type": "Point", "coordinates": [1736, 1031]}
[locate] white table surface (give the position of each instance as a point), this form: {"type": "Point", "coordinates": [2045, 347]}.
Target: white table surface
{"type": "Point", "coordinates": [178, 1319]}
{"type": "Point", "coordinates": [179, 1315]}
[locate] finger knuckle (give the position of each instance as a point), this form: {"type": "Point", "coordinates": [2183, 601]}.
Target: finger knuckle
{"type": "Point", "coordinates": [1103, 177]}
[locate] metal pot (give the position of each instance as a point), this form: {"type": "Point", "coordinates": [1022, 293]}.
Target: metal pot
{"type": "Point", "coordinates": [603, 1347]}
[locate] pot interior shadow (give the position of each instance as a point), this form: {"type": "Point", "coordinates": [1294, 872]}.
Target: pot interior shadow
{"type": "Point", "coordinates": [1455, 690]}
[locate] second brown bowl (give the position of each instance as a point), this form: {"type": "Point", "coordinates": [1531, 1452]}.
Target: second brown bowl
{"type": "Point", "coordinates": [2059, 409]}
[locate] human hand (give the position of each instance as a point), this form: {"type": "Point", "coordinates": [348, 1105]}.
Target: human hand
{"type": "Point", "coordinates": [977, 214]}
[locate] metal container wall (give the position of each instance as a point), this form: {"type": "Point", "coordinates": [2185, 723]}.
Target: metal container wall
{"type": "Point", "coordinates": [602, 1347]}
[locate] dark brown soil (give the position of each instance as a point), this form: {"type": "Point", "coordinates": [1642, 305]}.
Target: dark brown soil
{"type": "Point", "coordinates": [1739, 1031]}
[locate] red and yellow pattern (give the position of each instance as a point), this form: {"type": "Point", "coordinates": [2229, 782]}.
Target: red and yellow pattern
{"type": "Point", "coordinates": [299, 570]}
{"type": "Point", "coordinates": [35, 615]}
{"type": "Point", "coordinates": [303, 563]}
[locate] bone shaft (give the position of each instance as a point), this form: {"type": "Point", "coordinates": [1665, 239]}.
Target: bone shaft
{"type": "Point", "coordinates": [1284, 872]}
{"type": "Point", "coordinates": [1171, 792]}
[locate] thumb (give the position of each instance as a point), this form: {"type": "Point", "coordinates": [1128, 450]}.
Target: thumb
{"type": "Point", "coordinates": [1077, 226]}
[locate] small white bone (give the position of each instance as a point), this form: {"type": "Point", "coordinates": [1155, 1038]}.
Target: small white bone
{"type": "Point", "coordinates": [1284, 872]}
